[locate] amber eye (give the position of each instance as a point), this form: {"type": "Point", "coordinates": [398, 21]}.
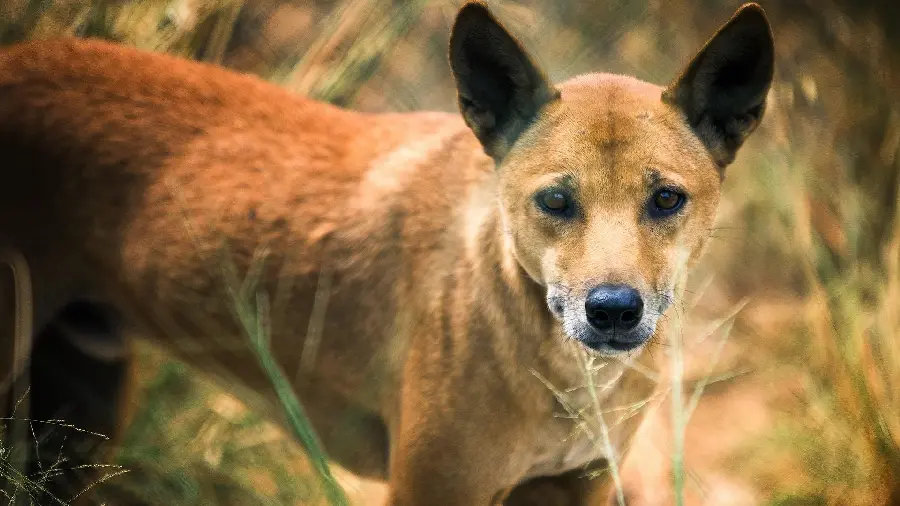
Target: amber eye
{"type": "Point", "coordinates": [666, 202]}
{"type": "Point", "coordinates": [556, 202]}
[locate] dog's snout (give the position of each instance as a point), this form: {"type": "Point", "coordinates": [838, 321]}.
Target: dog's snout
{"type": "Point", "coordinates": [614, 307]}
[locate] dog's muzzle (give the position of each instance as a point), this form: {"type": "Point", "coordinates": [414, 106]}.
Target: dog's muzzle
{"type": "Point", "coordinates": [611, 319]}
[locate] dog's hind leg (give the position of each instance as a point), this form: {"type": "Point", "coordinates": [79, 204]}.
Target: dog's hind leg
{"type": "Point", "coordinates": [79, 374]}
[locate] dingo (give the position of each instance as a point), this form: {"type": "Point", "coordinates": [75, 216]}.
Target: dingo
{"type": "Point", "coordinates": [462, 263]}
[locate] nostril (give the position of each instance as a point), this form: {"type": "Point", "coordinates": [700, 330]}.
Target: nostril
{"type": "Point", "coordinates": [628, 317]}
{"type": "Point", "coordinates": [600, 316]}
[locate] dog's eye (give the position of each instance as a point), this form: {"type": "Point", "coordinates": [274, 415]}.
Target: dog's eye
{"type": "Point", "coordinates": [556, 202]}
{"type": "Point", "coordinates": [666, 202]}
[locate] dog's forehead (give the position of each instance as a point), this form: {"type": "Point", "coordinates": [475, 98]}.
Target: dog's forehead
{"type": "Point", "coordinates": [602, 88]}
{"type": "Point", "coordinates": [608, 108]}
{"type": "Point", "coordinates": [607, 124]}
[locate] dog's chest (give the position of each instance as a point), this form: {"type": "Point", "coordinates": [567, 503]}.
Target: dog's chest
{"type": "Point", "coordinates": [570, 441]}
{"type": "Point", "coordinates": [590, 419]}
{"type": "Point", "coordinates": [559, 456]}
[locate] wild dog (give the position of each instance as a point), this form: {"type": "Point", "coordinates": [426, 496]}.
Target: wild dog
{"type": "Point", "coordinates": [469, 260]}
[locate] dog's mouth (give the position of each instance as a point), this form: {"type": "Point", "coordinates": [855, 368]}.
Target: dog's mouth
{"type": "Point", "coordinates": [613, 344]}
{"type": "Point", "coordinates": [609, 342]}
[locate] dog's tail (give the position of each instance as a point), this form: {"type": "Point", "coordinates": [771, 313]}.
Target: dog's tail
{"type": "Point", "coordinates": [15, 352]}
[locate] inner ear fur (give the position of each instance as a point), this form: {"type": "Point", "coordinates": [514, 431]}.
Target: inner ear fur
{"type": "Point", "coordinates": [722, 91]}
{"type": "Point", "coordinates": [500, 89]}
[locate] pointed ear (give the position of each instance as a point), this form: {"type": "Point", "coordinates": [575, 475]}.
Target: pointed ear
{"type": "Point", "coordinates": [722, 92]}
{"type": "Point", "coordinates": [500, 89]}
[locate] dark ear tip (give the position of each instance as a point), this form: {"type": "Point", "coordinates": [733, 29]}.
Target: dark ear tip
{"type": "Point", "coordinates": [751, 7]}
{"type": "Point", "coordinates": [472, 10]}
{"type": "Point", "coordinates": [750, 20]}
{"type": "Point", "coordinates": [752, 14]}
{"type": "Point", "coordinates": [472, 14]}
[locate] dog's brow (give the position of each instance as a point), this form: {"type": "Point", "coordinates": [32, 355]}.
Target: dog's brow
{"type": "Point", "coordinates": [565, 180]}
{"type": "Point", "coordinates": [653, 177]}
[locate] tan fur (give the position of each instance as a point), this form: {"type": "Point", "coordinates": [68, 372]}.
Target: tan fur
{"type": "Point", "coordinates": [125, 173]}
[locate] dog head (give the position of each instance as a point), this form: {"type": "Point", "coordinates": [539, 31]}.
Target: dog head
{"type": "Point", "coordinates": [609, 185]}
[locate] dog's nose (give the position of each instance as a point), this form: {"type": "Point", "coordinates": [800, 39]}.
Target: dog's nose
{"type": "Point", "coordinates": [614, 307]}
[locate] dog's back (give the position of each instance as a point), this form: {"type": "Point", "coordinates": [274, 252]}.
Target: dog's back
{"type": "Point", "coordinates": [110, 153]}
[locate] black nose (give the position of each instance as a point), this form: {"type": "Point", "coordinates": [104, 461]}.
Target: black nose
{"type": "Point", "coordinates": [614, 307]}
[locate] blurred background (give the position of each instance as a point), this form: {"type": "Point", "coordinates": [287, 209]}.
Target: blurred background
{"type": "Point", "coordinates": [793, 326]}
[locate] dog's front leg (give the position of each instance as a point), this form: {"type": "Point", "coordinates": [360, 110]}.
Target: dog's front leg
{"type": "Point", "coordinates": [436, 464]}
{"type": "Point", "coordinates": [457, 441]}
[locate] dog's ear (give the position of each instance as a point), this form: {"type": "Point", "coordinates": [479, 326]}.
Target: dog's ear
{"type": "Point", "coordinates": [500, 89]}
{"type": "Point", "coordinates": [722, 92]}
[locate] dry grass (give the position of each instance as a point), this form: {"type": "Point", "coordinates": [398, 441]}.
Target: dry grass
{"type": "Point", "coordinates": [809, 230]}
